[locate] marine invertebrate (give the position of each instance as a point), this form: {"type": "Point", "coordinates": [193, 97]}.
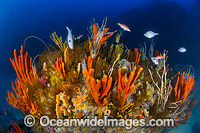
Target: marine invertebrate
{"type": "Point", "coordinates": [143, 51]}
{"type": "Point", "coordinates": [89, 71]}
{"type": "Point", "coordinates": [22, 65]}
{"type": "Point", "coordinates": [22, 101]}
{"type": "Point", "coordinates": [137, 56]}
{"type": "Point", "coordinates": [183, 88]}
{"type": "Point", "coordinates": [164, 90]}
{"type": "Point", "coordinates": [17, 128]}
{"type": "Point", "coordinates": [98, 37]}
{"type": "Point", "coordinates": [58, 41]}
{"type": "Point", "coordinates": [79, 100]}
{"type": "Point", "coordinates": [101, 98]}
{"type": "Point", "coordinates": [43, 80]}
{"type": "Point", "coordinates": [62, 107]}
{"type": "Point", "coordinates": [60, 67]}
{"type": "Point", "coordinates": [126, 87]}
{"type": "Point", "coordinates": [86, 79]}
{"type": "Point", "coordinates": [151, 49]}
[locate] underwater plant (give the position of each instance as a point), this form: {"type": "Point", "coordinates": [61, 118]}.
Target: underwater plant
{"type": "Point", "coordinates": [94, 79]}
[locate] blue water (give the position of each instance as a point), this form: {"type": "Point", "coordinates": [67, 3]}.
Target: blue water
{"type": "Point", "coordinates": [177, 21]}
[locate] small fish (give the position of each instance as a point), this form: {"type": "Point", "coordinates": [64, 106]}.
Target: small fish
{"type": "Point", "coordinates": [158, 57]}
{"type": "Point", "coordinates": [70, 39]}
{"type": "Point", "coordinates": [182, 49]}
{"type": "Point", "coordinates": [78, 37]}
{"type": "Point", "coordinates": [150, 34]}
{"type": "Point", "coordinates": [5, 112]}
{"type": "Point", "coordinates": [155, 61]}
{"type": "Point", "coordinates": [124, 27]}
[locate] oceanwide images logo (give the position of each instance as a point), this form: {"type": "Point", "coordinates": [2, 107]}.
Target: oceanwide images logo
{"type": "Point", "coordinates": [45, 121]}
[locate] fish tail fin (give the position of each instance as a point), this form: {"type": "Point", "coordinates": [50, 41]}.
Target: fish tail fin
{"type": "Point", "coordinates": [68, 29]}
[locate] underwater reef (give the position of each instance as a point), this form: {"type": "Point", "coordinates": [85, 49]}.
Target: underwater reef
{"type": "Point", "coordinates": [76, 78]}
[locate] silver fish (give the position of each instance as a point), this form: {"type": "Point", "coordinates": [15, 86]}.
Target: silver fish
{"type": "Point", "coordinates": [70, 39]}
{"type": "Point", "coordinates": [182, 49]}
{"type": "Point", "coordinates": [150, 34]}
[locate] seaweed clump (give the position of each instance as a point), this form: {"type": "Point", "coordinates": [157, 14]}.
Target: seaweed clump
{"type": "Point", "coordinates": [96, 78]}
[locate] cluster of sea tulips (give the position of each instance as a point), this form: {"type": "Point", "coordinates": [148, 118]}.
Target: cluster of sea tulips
{"type": "Point", "coordinates": [94, 79]}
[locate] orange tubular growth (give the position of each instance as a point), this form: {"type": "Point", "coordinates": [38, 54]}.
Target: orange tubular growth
{"type": "Point", "coordinates": [60, 67]}
{"type": "Point", "coordinates": [126, 87]}
{"type": "Point", "coordinates": [89, 71]}
{"type": "Point", "coordinates": [89, 63]}
{"type": "Point", "coordinates": [183, 88]}
{"type": "Point", "coordinates": [95, 30]}
{"type": "Point", "coordinates": [100, 95]}
{"type": "Point", "coordinates": [22, 65]}
{"type": "Point", "coordinates": [103, 36]}
{"type": "Point", "coordinates": [137, 56]}
{"type": "Point", "coordinates": [22, 101]}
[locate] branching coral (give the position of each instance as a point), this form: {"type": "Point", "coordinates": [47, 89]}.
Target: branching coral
{"type": "Point", "coordinates": [182, 99]}
{"type": "Point", "coordinates": [151, 49]}
{"type": "Point", "coordinates": [164, 89]}
{"type": "Point", "coordinates": [25, 74]}
{"type": "Point", "coordinates": [183, 88]}
{"type": "Point", "coordinates": [143, 52]}
{"type": "Point", "coordinates": [22, 65]}
{"type": "Point", "coordinates": [58, 41]}
{"type": "Point", "coordinates": [125, 86]}
{"type": "Point", "coordinates": [100, 90]}
{"type": "Point", "coordinates": [113, 82]}
{"type": "Point", "coordinates": [115, 50]}
{"type": "Point", "coordinates": [60, 67]}
{"type": "Point", "coordinates": [182, 112]}
{"type": "Point", "coordinates": [137, 56]}
{"type": "Point", "coordinates": [99, 36]}
{"type": "Point", "coordinates": [89, 71]}
{"type": "Point", "coordinates": [22, 101]}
